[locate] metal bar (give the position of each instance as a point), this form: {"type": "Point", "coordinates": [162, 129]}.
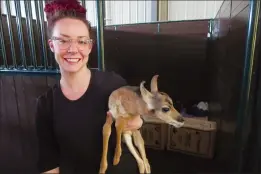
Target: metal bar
{"type": "Point", "coordinates": [43, 35]}
{"type": "Point", "coordinates": [83, 3]}
{"type": "Point", "coordinates": [160, 22]}
{"type": "Point", "coordinates": [10, 31]}
{"type": "Point", "coordinates": [31, 72]}
{"type": "Point", "coordinates": [158, 28]}
{"type": "Point", "coordinates": [38, 34]}
{"type": "Point", "coordinates": [38, 28]}
{"type": "Point", "coordinates": [100, 32]}
{"type": "Point", "coordinates": [2, 40]}
{"type": "Point", "coordinates": [245, 100]}
{"type": "Point", "coordinates": [30, 32]}
{"type": "Point", "coordinates": [38, 71]}
{"type": "Point", "coordinates": [20, 32]}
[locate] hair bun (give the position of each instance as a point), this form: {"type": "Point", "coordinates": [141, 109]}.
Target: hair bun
{"type": "Point", "coordinates": [64, 5]}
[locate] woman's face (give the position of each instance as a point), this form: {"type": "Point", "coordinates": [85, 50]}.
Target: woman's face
{"type": "Point", "coordinates": [71, 44]}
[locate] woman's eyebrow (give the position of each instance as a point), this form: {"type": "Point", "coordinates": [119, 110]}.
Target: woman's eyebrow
{"type": "Point", "coordinates": [82, 36]}
{"type": "Point", "coordinates": [65, 35]}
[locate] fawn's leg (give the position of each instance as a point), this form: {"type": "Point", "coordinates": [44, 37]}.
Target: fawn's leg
{"type": "Point", "coordinates": [139, 143]}
{"type": "Point", "coordinates": [106, 135]}
{"type": "Point", "coordinates": [128, 140]}
{"type": "Point", "coordinates": [119, 129]}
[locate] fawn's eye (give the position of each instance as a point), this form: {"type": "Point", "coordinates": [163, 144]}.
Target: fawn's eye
{"type": "Point", "coordinates": [165, 109]}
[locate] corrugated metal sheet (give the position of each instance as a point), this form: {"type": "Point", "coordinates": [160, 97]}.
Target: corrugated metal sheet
{"type": "Point", "coordinates": [191, 10]}
{"type": "Point", "coordinates": [117, 12]}
{"type": "Point", "coordinates": [126, 12]}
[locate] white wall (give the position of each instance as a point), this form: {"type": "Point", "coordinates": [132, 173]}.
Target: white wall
{"type": "Point", "coordinates": [138, 11]}
{"type": "Point", "coordinates": [191, 10]}
{"type": "Point", "coordinates": [117, 12]}
{"type": "Point", "coordinates": [124, 12]}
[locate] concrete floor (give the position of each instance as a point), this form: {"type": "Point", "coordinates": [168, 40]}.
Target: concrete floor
{"type": "Point", "coordinates": [175, 162]}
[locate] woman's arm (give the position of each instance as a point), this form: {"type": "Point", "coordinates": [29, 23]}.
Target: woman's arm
{"type": "Point", "coordinates": [48, 151]}
{"type": "Point", "coordinates": [56, 170]}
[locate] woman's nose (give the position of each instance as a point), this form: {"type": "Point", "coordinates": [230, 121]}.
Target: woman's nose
{"type": "Point", "coordinates": [73, 48]}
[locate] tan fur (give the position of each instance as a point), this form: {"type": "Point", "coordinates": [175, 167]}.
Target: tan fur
{"type": "Point", "coordinates": [127, 102]}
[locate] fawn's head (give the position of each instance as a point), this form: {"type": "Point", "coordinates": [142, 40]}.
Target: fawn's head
{"type": "Point", "coordinates": [160, 104]}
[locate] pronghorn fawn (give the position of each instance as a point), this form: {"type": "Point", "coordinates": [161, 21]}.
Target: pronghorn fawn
{"type": "Point", "coordinates": [129, 101]}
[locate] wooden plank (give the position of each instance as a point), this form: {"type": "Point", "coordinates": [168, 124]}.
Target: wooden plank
{"type": "Point", "coordinates": [139, 28]}
{"type": "Point", "coordinates": [28, 88]}
{"type": "Point", "coordinates": [23, 116]}
{"type": "Point", "coordinates": [35, 86]}
{"type": "Point", "coordinates": [11, 149]}
{"type": "Point", "coordinates": [17, 112]}
{"type": "Point", "coordinates": [184, 27]}
{"type": "Point", "coordinates": [2, 114]}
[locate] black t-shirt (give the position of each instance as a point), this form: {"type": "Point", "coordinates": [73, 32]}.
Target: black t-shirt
{"type": "Point", "coordinates": [70, 132]}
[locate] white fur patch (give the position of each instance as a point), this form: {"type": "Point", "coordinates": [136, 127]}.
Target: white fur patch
{"type": "Point", "coordinates": [150, 106]}
{"type": "Point", "coordinates": [113, 112]}
{"type": "Point", "coordinates": [117, 109]}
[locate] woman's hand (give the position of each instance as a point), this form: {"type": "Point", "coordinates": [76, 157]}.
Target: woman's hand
{"type": "Point", "coordinates": [132, 124]}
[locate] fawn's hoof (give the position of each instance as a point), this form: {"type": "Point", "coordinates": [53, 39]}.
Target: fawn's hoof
{"type": "Point", "coordinates": [103, 168]}
{"type": "Point", "coordinates": [116, 160]}
{"type": "Point", "coordinates": [102, 171]}
{"type": "Point", "coordinates": [141, 167]}
{"type": "Point", "coordinates": [147, 167]}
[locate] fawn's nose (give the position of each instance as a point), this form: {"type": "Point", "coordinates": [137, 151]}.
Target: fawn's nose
{"type": "Point", "coordinates": [180, 119]}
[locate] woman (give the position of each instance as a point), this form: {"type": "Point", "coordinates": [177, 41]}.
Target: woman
{"type": "Point", "coordinates": [71, 114]}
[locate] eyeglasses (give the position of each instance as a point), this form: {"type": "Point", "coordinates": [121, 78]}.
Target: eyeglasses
{"type": "Point", "coordinates": [82, 43]}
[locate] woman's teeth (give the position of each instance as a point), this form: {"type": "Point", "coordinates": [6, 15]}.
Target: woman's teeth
{"type": "Point", "coordinates": [73, 60]}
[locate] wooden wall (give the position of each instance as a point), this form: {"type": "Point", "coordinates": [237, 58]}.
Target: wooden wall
{"type": "Point", "coordinates": [173, 50]}
{"type": "Point", "coordinates": [225, 57]}
{"type": "Point", "coordinates": [17, 129]}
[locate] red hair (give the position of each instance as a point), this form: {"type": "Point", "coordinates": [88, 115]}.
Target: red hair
{"type": "Point", "coordinates": [64, 5]}
{"type": "Point", "coordinates": [58, 9]}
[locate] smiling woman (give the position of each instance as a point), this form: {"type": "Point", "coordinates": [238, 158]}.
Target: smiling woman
{"type": "Point", "coordinates": [72, 45]}
{"type": "Point", "coordinates": [71, 114]}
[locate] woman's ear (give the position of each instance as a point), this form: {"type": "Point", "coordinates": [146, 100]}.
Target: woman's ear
{"type": "Point", "coordinates": [50, 42]}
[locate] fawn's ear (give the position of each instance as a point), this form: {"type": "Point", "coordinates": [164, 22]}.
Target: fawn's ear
{"type": "Point", "coordinates": [154, 84]}
{"type": "Point", "coordinates": [146, 95]}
